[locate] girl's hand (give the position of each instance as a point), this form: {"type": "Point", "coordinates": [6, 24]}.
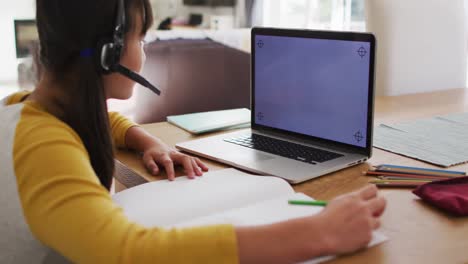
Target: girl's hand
{"type": "Point", "coordinates": [344, 226]}
{"type": "Point", "coordinates": [348, 220]}
{"type": "Point", "coordinates": [159, 155]}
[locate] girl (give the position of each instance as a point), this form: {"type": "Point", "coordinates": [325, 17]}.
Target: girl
{"type": "Point", "coordinates": [57, 164]}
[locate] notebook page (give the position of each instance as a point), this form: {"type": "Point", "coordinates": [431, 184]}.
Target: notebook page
{"type": "Point", "coordinates": [267, 212]}
{"type": "Point", "coordinates": [263, 212]}
{"type": "Point", "coordinates": [162, 203]}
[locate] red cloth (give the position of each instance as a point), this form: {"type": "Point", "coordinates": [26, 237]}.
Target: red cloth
{"type": "Point", "coordinates": [448, 195]}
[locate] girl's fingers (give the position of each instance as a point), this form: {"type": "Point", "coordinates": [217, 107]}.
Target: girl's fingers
{"type": "Point", "coordinates": [197, 169]}
{"type": "Point", "coordinates": [377, 206]}
{"type": "Point", "coordinates": [368, 192]}
{"type": "Point", "coordinates": [150, 164]}
{"type": "Point", "coordinates": [169, 166]}
{"type": "Point", "coordinates": [201, 165]}
{"type": "Point", "coordinates": [186, 162]}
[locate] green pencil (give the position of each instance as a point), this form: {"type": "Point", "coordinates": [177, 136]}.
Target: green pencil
{"type": "Point", "coordinates": [313, 203]}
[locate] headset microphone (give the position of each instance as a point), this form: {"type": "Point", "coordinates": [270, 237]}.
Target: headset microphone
{"type": "Point", "coordinates": [137, 78]}
{"type": "Point", "coordinates": [111, 53]}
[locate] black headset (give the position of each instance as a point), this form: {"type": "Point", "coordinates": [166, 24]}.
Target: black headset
{"type": "Point", "coordinates": [111, 52]}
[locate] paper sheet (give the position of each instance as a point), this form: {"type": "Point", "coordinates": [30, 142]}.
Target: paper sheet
{"type": "Point", "coordinates": [441, 140]}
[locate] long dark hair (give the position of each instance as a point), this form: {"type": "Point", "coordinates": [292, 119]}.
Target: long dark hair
{"type": "Point", "coordinates": [65, 29]}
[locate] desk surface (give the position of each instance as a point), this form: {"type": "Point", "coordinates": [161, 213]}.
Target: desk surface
{"type": "Point", "coordinates": [417, 232]}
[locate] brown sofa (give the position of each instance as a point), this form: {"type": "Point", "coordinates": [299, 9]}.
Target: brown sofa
{"type": "Point", "coordinates": [194, 76]}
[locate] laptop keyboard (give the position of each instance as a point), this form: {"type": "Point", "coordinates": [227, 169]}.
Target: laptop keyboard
{"type": "Point", "coordinates": [284, 148]}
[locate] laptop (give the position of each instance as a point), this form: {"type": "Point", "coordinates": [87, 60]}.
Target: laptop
{"type": "Point", "coordinates": [312, 105]}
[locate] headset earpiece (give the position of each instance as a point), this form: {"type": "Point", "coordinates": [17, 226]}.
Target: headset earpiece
{"type": "Point", "coordinates": [110, 56]}
{"type": "Point", "coordinates": [111, 49]}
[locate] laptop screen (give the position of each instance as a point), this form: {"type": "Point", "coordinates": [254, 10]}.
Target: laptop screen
{"type": "Point", "coordinates": [314, 87]}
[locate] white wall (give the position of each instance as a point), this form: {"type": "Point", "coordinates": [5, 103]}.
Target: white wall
{"type": "Point", "coordinates": [9, 10]}
{"type": "Point", "coordinates": [421, 45]}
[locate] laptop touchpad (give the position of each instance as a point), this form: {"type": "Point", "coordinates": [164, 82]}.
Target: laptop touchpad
{"type": "Point", "coordinates": [256, 157]}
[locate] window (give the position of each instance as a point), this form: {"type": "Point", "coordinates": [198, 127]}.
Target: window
{"type": "Point", "coordinates": [312, 14]}
{"type": "Point", "coordinates": [25, 36]}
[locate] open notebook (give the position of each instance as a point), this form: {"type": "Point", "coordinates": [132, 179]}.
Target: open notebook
{"type": "Point", "coordinates": [223, 196]}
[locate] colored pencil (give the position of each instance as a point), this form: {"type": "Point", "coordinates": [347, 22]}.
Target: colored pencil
{"type": "Point", "coordinates": [385, 178]}
{"type": "Point", "coordinates": [313, 203]}
{"type": "Point", "coordinates": [380, 183]}
{"type": "Point", "coordinates": [416, 171]}
{"type": "Point", "coordinates": [423, 181]}
{"type": "Point", "coordinates": [375, 173]}
{"type": "Point", "coordinates": [398, 185]}
{"type": "Point", "coordinates": [407, 168]}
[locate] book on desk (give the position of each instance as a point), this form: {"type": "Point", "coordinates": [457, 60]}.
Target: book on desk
{"type": "Point", "coordinates": [198, 123]}
{"type": "Point", "coordinates": [225, 196]}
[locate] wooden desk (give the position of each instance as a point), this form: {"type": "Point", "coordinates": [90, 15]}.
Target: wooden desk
{"type": "Point", "coordinates": [417, 232]}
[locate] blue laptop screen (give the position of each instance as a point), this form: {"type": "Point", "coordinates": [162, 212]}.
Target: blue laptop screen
{"type": "Point", "coordinates": [315, 87]}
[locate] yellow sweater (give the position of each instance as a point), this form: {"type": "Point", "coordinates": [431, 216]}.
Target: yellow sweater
{"type": "Point", "coordinates": [68, 210]}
